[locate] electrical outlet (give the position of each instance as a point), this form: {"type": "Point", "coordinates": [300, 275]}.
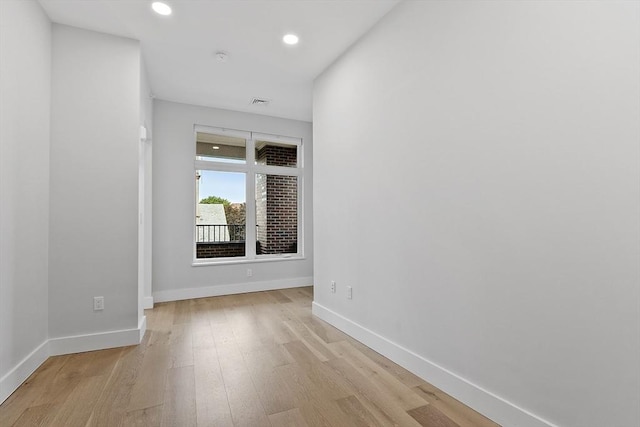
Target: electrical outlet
{"type": "Point", "coordinates": [333, 286]}
{"type": "Point", "coordinates": [349, 292]}
{"type": "Point", "coordinates": [249, 272]}
{"type": "Point", "coordinates": [98, 303]}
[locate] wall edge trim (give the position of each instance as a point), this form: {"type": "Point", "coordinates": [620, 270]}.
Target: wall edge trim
{"type": "Point", "coordinates": [147, 303]}
{"type": "Point", "coordinates": [142, 328]}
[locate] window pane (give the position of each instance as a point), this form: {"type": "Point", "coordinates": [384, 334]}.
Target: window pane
{"type": "Point", "coordinates": [275, 154]}
{"type": "Point", "coordinates": [276, 214]}
{"type": "Point", "coordinates": [220, 214]}
{"type": "Point", "coordinates": [220, 148]}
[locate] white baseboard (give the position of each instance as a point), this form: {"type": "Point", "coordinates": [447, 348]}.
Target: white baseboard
{"type": "Point", "coordinates": [494, 407]}
{"type": "Point", "coordinates": [91, 342]}
{"type": "Point", "coordinates": [147, 302]}
{"type": "Point", "coordinates": [236, 288]}
{"type": "Point", "coordinates": [15, 377]}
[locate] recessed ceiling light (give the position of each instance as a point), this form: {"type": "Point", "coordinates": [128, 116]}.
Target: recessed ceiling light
{"type": "Point", "coordinates": [215, 147]}
{"type": "Point", "coordinates": [290, 39]}
{"type": "Point", "coordinates": [161, 8]}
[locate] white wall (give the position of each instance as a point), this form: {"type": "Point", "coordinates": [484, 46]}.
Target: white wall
{"type": "Point", "coordinates": [95, 119]}
{"type": "Point", "coordinates": [173, 196]}
{"type": "Point", "coordinates": [25, 84]}
{"type": "Point", "coordinates": [482, 162]}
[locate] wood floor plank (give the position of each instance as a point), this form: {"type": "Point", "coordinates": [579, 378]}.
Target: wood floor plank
{"type": "Point", "coordinates": [245, 405]}
{"type": "Point", "coordinates": [398, 392]}
{"type": "Point", "coordinates": [28, 394]}
{"type": "Point", "coordinates": [360, 415]}
{"type": "Point", "coordinates": [247, 323]}
{"type": "Point", "coordinates": [181, 344]}
{"type": "Point", "coordinates": [300, 296]}
{"type": "Point", "coordinates": [100, 363]}
{"type": "Point", "coordinates": [407, 378]}
{"type": "Point", "coordinates": [148, 390]}
{"type": "Point", "coordinates": [244, 402]}
{"type": "Point", "coordinates": [273, 392]}
{"type": "Point", "coordinates": [321, 414]}
{"type": "Point", "coordinates": [37, 415]}
{"type": "Point", "coordinates": [267, 356]}
{"type": "Point", "coordinates": [452, 408]}
{"type": "Point", "coordinates": [311, 341]}
{"type": "Point", "coordinates": [280, 297]}
{"type": "Point", "coordinates": [212, 405]}
{"type": "Point", "coordinates": [317, 406]}
{"type": "Point", "coordinates": [200, 310]}
{"type": "Point", "coordinates": [308, 291]}
{"type": "Point", "coordinates": [111, 407]}
{"type": "Point", "coordinates": [87, 391]}
{"type": "Point", "coordinates": [179, 406]}
{"type": "Point", "coordinates": [202, 338]}
{"type": "Point", "coordinates": [326, 379]}
{"type": "Point", "coordinates": [428, 416]}
{"type": "Point", "coordinates": [290, 418]}
{"type": "Point", "coordinates": [147, 417]}
{"type": "Point", "coordinates": [66, 379]}
{"type": "Point", "coordinates": [217, 314]}
{"type": "Point", "coordinates": [161, 329]}
{"type": "Point", "coordinates": [323, 330]}
{"type": "Point", "coordinates": [382, 406]}
{"type": "Point", "coordinates": [273, 317]}
{"type": "Point", "coordinates": [182, 312]}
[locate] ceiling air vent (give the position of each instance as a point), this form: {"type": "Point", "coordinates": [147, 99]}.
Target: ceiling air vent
{"type": "Point", "coordinates": [262, 102]}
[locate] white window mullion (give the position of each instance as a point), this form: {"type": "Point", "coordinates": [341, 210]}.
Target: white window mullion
{"type": "Point", "coordinates": [219, 166]}
{"type": "Point", "coordinates": [278, 170]}
{"type": "Point", "coordinates": [250, 220]}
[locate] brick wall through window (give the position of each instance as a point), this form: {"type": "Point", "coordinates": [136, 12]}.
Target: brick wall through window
{"type": "Point", "coordinates": [277, 203]}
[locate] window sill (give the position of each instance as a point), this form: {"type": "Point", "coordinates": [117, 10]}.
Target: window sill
{"type": "Point", "coordinates": [209, 262]}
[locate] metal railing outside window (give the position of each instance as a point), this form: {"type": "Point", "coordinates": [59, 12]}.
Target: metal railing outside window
{"type": "Point", "coordinates": [220, 233]}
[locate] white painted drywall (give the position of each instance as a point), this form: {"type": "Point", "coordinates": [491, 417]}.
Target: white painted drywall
{"type": "Point", "coordinates": [477, 183]}
{"type": "Point", "coordinates": [25, 85]}
{"type": "Point", "coordinates": [173, 198]}
{"type": "Point", "coordinates": [95, 121]}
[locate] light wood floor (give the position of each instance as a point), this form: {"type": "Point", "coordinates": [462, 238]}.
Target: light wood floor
{"type": "Point", "coordinates": [257, 359]}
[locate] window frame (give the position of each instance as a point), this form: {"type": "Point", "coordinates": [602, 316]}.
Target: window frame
{"type": "Point", "coordinates": [251, 169]}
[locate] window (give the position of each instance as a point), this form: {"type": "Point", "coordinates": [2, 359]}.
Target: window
{"type": "Point", "coordinates": [248, 192]}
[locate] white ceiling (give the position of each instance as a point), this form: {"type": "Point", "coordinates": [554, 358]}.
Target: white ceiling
{"type": "Point", "coordinates": [179, 50]}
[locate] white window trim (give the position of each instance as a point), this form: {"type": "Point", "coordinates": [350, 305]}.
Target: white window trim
{"type": "Point", "coordinates": [251, 169]}
{"type": "Point", "coordinates": [221, 131]}
{"type": "Point", "coordinates": [276, 138]}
